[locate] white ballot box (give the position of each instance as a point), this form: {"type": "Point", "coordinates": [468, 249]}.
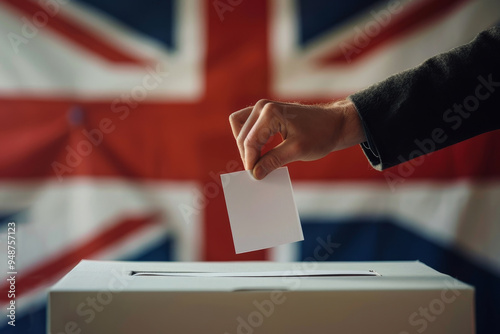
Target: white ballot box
{"type": "Point", "coordinates": [259, 297]}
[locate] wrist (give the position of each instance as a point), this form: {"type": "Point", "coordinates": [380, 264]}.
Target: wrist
{"type": "Point", "coordinates": [351, 131]}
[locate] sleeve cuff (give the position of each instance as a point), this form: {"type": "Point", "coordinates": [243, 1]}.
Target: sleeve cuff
{"type": "Point", "coordinates": [371, 153]}
{"type": "Point", "coordinates": [369, 148]}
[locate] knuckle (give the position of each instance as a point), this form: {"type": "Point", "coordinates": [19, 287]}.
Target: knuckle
{"type": "Point", "coordinates": [261, 103]}
{"type": "Point", "coordinates": [248, 141]}
{"type": "Point", "coordinates": [270, 109]}
{"type": "Point", "coordinates": [273, 114]}
{"type": "Point", "coordinates": [253, 140]}
{"type": "Point", "coordinates": [232, 118]}
{"type": "Point", "coordinates": [263, 135]}
{"type": "Point", "coordinates": [240, 142]}
{"type": "Point", "coordinates": [237, 117]}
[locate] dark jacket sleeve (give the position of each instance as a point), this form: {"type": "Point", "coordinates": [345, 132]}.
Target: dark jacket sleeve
{"type": "Point", "coordinates": [447, 99]}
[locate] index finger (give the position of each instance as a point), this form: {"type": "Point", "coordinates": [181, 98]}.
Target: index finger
{"type": "Point", "coordinates": [269, 123]}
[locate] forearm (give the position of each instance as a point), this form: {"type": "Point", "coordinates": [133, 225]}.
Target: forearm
{"type": "Point", "coordinates": [449, 98]}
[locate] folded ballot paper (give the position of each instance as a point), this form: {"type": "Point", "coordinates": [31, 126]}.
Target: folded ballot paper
{"type": "Point", "coordinates": [262, 213]}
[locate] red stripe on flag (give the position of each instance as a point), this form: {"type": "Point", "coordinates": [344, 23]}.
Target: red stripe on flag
{"type": "Point", "coordinates": [234, 79]}
{"type": "Point", "coordinates": [154, 144]}
{"type": "Point", "coordinates": [414, 16]}
{"type": "Point", "coordinates": [57, 266]}
{"type": "Point", "coordinates": [71, 31]}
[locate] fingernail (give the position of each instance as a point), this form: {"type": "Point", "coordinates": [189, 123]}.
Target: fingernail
{"type": "Point", "coordinates": [259, 172]}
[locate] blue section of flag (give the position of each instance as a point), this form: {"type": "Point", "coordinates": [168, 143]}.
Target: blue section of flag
{"type": "Point", "coordinates": [163, 251]}
{"type": "Point", "coordinates": [7, 217]}
{"type": "Point", "coordinates": [318, 16]}
{"type": "Point", "coordinates": [155, 18]}
{"type": "Point", "coordinates": [382, 239]}
{"type": "Point", "coordinates": [35, 320]}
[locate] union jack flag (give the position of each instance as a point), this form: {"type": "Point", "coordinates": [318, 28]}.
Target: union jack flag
{"type": "Point", "coordinates": [114, 130]}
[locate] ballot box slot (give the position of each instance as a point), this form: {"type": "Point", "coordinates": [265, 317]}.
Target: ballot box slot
{"type": "Point", "coordinates": [259, 274]}
{"type": "Point", "coordinates": [270, 290]}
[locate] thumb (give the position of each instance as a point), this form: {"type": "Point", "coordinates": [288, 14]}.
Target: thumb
{"type": "Point", "coordinates": [279, 156]}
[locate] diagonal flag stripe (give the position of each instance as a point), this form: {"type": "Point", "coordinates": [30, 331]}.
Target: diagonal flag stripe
{"type": "Point", "coordinates": [57, 266]}
{"type": "Point", "coordinates": [414, 16]}
{"type": "Point", "coordinates": [75, 33]}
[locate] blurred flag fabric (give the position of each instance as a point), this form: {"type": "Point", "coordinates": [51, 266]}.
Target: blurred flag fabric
{"type": "Point", "coordinates": [114, 130]}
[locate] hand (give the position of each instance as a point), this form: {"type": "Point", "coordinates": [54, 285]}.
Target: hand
{"type": "Point", "coordinates": [309, 132]}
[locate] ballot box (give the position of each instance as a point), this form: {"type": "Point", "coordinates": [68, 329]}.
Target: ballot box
{"type": "Point", "coordinates": [259, 297]}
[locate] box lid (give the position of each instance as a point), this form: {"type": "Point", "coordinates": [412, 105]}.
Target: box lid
{"type": "Point", "coordinates": [98, 275]}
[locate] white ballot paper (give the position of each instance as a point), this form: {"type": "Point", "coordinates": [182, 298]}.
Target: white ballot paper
{"type": "Point", "coordinates": [262, 213]}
